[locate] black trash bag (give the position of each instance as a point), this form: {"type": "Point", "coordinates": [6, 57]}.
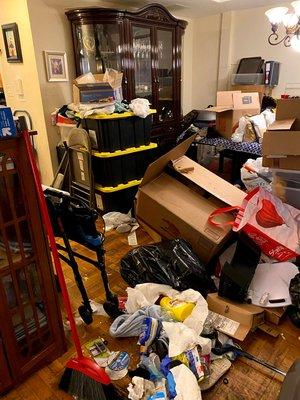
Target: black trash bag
{"type": "Point", "coordinates": [171, 262]}
{"type": "Point", "coordinates": [295, 290]}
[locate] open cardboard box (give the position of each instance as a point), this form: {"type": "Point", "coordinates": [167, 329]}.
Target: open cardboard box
{"type": "Point", "coordinates": [177, 204]}
{"type": "Point", "coordinates": [231, 106]}
{"type": "Point", "coordinates": [281, 142]}
{"type": "Point", "coordinates": [247, 317]}
{"type": "Point", "coordinates": [91, 88]}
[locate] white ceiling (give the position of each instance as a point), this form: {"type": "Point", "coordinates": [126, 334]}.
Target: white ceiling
{"type": "Point", "coordinates": [188, 8]}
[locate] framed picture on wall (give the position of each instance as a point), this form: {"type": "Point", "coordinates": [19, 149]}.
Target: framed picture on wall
{"type": "Point", "coordinates": [56, 66]}
{"type": "Point", "coordinates": [12, 43]}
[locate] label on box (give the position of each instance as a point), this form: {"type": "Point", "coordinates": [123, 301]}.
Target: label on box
{"type": "Point", "coordinates": [247, 100]}
{"type": "Point", "coordinates": [132, 239]}
{"type": "Point", "coordinates": [223, 324]}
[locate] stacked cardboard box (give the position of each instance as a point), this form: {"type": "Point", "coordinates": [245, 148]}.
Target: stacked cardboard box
{"type": "Point", "coordinates": [281, 142]}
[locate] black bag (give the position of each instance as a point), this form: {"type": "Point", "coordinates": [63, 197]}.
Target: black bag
{"type": "Point", "coordinates": [78, 219]}
{"type": "Point", "coordinates": [295, 290]}
{"type": "Point", "coordinates": [171, 262]}
{"type": "Point", "coordinates": [236, 277]}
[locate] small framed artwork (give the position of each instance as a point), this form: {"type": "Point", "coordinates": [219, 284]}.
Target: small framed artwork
{"type": "Point", "coordinates": [12, 43]}
{"type": "Point", "coordinates": [56, 66]}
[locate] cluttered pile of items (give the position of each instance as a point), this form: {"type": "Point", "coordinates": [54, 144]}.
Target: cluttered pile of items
{"type": "Point", "coordinates": [98, 94]}
{"type": "Point", "coordinates": [193, 297]}
{"type": "Point", "coordinates": [226, 266]}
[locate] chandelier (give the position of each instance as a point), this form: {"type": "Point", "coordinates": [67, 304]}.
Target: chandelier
{"type": "Point", "coordinates": [280, 16]}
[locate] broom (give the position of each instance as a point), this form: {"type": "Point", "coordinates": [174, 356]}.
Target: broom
{"type": "Point", "coordinates": [83, 377]}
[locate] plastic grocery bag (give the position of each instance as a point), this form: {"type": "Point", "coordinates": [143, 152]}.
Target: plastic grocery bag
{"type": "Point", "coordinates": [273, 225]}
{"type": "Point", "coordinates": [171, 262]}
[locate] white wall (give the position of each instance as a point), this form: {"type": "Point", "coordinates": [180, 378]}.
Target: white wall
{"type": "Point", "coordinates": [250, 31]}
{"type": "Point", "coordinates": [220, 41]}
{"type": "Point", "coordinates": [51, 31]}
{"type": "Point", "coordinates": [31, 101]}
{"type": "Point", "coordinates": [205, 60]}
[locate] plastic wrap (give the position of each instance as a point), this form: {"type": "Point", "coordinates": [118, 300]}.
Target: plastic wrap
{"type": "Point", "coordinates": [171, 262]}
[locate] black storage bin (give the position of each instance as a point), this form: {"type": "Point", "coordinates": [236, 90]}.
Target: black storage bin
{"type": "Point", "coordinates": [111, 171]}
{"type": "Point", "coordinates": [113, 134]}
{"type": "Point", "coordinates": [121, 200]}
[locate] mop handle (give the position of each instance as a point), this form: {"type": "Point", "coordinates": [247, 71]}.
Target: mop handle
{"type": "Point", "coordinates": [48, 225]}
{"type": "Point", "coordinates": [261, 362]}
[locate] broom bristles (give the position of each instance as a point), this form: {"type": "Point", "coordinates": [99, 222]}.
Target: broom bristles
{"type": "Point", "coordinates": [82, 387]}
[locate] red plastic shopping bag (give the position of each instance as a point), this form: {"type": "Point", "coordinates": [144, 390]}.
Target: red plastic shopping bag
{"type": "Point", "coordinates": [273, 225]}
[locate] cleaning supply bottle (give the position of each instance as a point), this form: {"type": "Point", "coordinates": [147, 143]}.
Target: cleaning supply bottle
{"type": "Point", "coordinates": [179, 310]}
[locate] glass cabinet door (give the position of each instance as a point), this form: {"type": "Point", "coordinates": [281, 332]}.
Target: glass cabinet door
{"type": "Point", "coordinates": [165, 74]}
{"type": "Point", "coordinates": [142, 58]}
{"type": "Point", "coordinates": [98, 47]}
{"type": "Point", "coordinates": [20, 280]}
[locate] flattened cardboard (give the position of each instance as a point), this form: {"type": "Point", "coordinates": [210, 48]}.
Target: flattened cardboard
{"type": "Point", "coordinates": [211, 182]}
{"type": "Point", "coordinates": [157, 167]}
{"type": "Point", "coordinates": [173, 209]}
{"type": "Point", "coordinates": [248, 315]}
{"type": "Point", "coordinates": [283, 125]}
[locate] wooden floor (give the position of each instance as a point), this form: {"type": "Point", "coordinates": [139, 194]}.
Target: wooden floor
{"type": "Point", "coordinates": [246, 381]}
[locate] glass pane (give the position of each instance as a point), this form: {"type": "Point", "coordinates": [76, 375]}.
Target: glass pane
{"type": "Point", "coordinates": [26, 237]}
{"type": "Point", "coordinates": [8, 161]}
{"type": "Point", "coordinates": [4, 201]}
{"type": "Point", "coordinates": [14, 186]}
{"type": "Point", "coordinates": [142, 62]}
{"type": "Point", "coordinates": [31, 325]}
{"type": "Point", "coordinates": [35, 282]}
{"type": "Point", "coordinates": [98, 47]}
{"type": "Point", "coordinates": [23, 288]}
{"type": "Point", "coordinates": [10, 291]}
{"type": "Point", "coordinates": [165, 74]}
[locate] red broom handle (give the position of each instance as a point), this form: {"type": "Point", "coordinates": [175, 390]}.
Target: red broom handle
{"type": "Point", "coordinates": [48, 225]}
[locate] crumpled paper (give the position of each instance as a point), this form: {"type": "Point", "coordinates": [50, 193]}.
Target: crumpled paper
{"type": "Point", "coordinates": [182, 335]}
{"type": "Point", "coordinates": [140, 107]}
{"type": "Point", "coordinates": [140, 388]}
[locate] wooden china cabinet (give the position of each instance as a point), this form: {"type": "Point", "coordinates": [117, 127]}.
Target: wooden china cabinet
{"type": "Point", "coordinates": [31, 330]}
{"type": "Point", "coordinates": [145, 45]}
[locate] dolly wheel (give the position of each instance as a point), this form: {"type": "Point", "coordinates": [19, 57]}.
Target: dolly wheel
{"type": "Point", "coordinates": [86, 314]}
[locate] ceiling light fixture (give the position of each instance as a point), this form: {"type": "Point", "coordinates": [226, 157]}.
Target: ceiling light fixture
{"type": "Point", "coordinates": [291, 23]}
{"type": "Point", "coordinates": [220, 1]}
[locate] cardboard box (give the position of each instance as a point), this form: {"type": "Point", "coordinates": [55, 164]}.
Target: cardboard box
{"type": "Point", "coordinates": [281, 142]}
{"type": "Point", "coordinates": [91, 88]}
{"type": "Point", "coordinates": [7, 124]}
{"type": "Point", "coordinates": [248, 316]}
{"type": "Point", "coordinates": [262, 90]}
{"type": "Point", "coordinates": [179, 204]}
{"type": "Point", "coordinates": [231, 106]}
{"type": "Point", "coordinates": [274, 315]}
